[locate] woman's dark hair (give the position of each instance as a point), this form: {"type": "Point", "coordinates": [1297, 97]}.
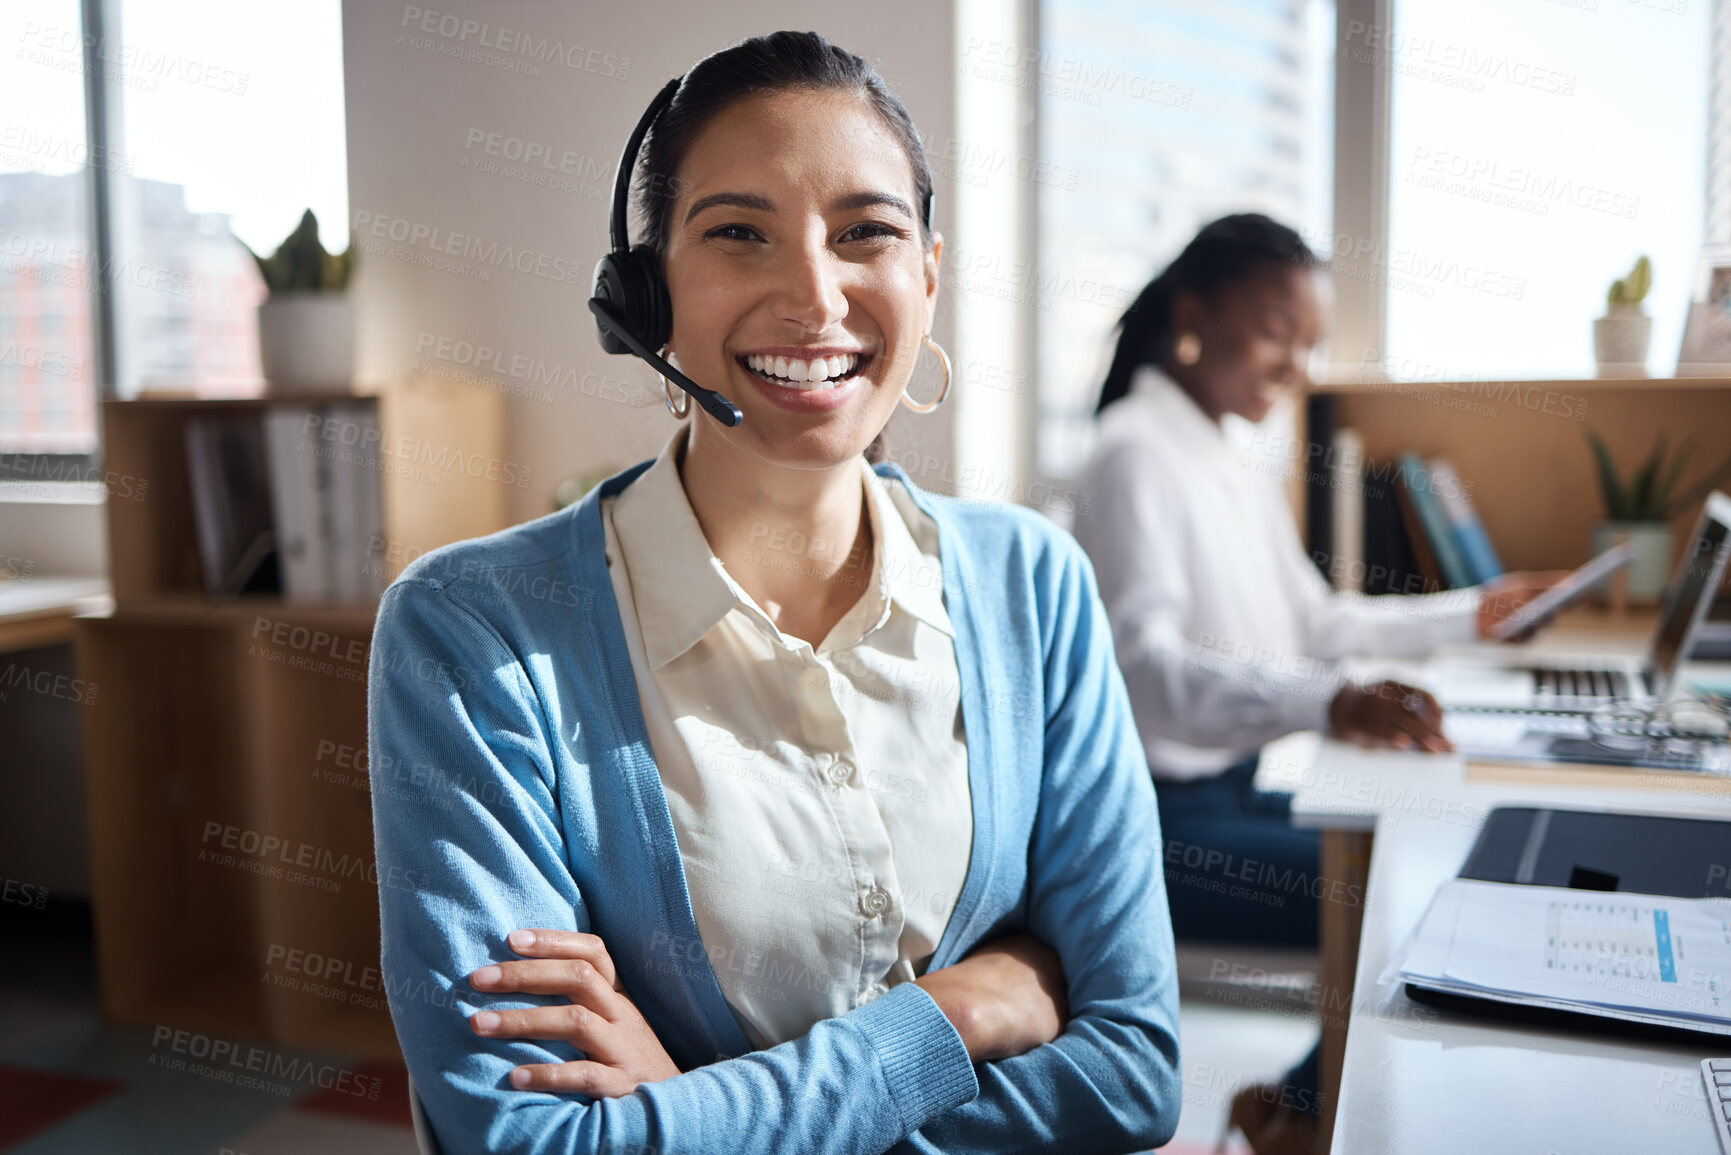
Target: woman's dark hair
{"type": "Point", "coordinates": [1225, 252]}
{"type": "Point", "coordinates": [764, 64]}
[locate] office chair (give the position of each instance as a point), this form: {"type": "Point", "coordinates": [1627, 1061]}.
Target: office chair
{"type": "Point", "coordinates": [424, 1137]}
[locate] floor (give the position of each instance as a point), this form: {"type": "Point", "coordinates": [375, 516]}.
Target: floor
{"type": "Point", "coordinates": [72, 1084]}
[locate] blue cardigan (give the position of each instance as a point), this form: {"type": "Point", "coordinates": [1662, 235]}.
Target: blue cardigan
{"type": "Point", "coordinates": [513, 786]}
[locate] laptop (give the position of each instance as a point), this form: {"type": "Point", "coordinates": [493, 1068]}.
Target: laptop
{"type": "Point", "coordinates": [1514, 681]}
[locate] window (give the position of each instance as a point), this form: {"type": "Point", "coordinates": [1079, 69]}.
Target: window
{"type": "Point", "coordinates": [47, 379]}
{"type": "Point", "coordinates": [1155, 118]}
{"type": "Point", "coordinates": [225, 124]}
{"type": "Point", "coordinates": [233, 124]}
{"type": "Point", "coordinates": [1536, 150]}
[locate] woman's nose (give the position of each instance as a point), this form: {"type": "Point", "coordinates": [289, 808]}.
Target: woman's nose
{"type": "Point", "coordinates": [810, 290]}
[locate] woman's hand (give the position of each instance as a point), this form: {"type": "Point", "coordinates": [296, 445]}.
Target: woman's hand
{"type": "Point", "coordinates": [1388, 714]}
{"type": "Point", "coordinates": [1501, 597]}
{"type": "Point", "coordinates": [600, 1020]}
{"type": "Point", "coordinates": [1004, 999]}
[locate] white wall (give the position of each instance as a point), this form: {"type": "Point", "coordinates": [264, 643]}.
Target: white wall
{"type": "Point", "coordinates": [416, 99]}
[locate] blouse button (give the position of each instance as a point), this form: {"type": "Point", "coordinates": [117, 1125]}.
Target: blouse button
{"type": "Point", "coordinates": [840, 771]}
{"type": "Point", "coordinates": [875, 901]}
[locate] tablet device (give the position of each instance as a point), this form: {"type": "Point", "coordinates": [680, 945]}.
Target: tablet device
{"type": "Point", "coordinates": [1564, 594]}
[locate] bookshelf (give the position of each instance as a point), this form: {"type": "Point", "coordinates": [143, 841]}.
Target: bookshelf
{"type": "Point", "coordinates": [226, 781]}
{"type": "Point", "coordinates": [1522, 445]}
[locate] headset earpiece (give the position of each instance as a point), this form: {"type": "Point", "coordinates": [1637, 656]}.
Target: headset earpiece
{"type": "Point", "coordinates": [631, 285]}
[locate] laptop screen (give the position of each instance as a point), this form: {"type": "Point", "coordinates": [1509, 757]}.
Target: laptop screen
{"type": "Point", "coordinates": [1697, 577]}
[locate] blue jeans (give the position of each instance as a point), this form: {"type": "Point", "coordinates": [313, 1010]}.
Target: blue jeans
{"type": "Point", "coordinates": [1236, 868]}
{"type": "Point", "coordinates": [1238, 871]}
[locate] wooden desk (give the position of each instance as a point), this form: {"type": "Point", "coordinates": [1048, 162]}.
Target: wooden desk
{"type": "Point", "coordinates": [38, 611]}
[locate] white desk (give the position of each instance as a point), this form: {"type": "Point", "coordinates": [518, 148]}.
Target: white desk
{"type": "Point", "coordinates": [1414, 1081]}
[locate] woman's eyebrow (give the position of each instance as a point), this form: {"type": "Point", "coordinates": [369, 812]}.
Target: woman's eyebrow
{"type": "Point", "coordinates": [866, 200]}
{"type": "Point", "coordinates": [738, 200]}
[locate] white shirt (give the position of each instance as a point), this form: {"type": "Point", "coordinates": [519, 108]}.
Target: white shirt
{"type": "Point", "coordinates": [1227, 635]}
{"type": "Point", "coordinates": [820, 798]}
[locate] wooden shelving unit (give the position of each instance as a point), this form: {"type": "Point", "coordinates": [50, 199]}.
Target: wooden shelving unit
{"type": "Point", "coordinates": [1522, 445]}
{"type": "Point", "coordinates": [226, 780]}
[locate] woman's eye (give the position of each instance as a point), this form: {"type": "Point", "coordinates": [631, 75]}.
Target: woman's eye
{"type": "Point", "coordinates": [733, 233]}
{"type": "Point", "coordinates": [869, 230]}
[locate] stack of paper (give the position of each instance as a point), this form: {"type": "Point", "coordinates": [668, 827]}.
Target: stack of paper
{"type": "Point", "coordinates": [1663, 961]}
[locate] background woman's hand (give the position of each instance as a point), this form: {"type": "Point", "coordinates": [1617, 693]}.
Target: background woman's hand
{"type": "Point", "coordinates": [1500, 597]}
{"type": "Point", "coordinates": [1388, 714]}
{"type": "Point", "coordinates": [599, 1020]}
{"type": "Point", "coordinates": [1004, 999]}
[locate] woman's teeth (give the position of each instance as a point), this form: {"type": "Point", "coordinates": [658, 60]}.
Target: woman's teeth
{"type": "Point", "coordinates": [817, 373]}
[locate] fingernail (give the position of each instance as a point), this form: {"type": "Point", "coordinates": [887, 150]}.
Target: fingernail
{"type": "Point", "coordinates": [487, 976]}
{"type": "Point", "coordinates": [487, 1021]}
{"type": "Point", "coordinates": [519, 1077]}
{"type": "Point", "coordinates": [521, 940]}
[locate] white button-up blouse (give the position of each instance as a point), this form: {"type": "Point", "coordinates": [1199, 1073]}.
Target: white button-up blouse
{"type": "Point", "coordinates": [819, 796]}
{"type": "Point", "coordinates": [1227, 635]}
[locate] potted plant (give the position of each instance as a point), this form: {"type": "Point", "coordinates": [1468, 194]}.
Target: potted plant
{"type": "Point", "coordinates": [1621, 336]}
{"type": "Point", "coordinates": [1639, 509]}
{"type": "Point", "coordinates": [306, 328]}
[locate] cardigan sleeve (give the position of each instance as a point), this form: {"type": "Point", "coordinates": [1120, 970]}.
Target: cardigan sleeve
{"type": "Point", "coordinates": [470, 846]}
{"type": "Point", "coordinates": [1097, 895]}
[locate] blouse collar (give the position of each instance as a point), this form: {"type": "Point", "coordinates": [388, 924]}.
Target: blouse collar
{"type": "Point", "coordinates": [682, 590]}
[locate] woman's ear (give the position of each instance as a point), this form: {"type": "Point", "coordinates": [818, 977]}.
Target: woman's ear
{"type": "Point", "coordinates": [1189, 314]}
{"type": "Point", "coordinates": [932, 259]}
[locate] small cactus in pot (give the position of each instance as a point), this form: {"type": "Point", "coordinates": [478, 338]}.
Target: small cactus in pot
{"type": "Point", "coordinates": [1622, 335]}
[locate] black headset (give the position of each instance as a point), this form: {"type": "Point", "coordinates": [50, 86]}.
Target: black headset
{"type": "Point", "coordinates": [633, 313]}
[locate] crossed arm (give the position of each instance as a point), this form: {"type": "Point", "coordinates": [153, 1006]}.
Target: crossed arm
{"type": "Point", "coordinates": [1004, 1000]}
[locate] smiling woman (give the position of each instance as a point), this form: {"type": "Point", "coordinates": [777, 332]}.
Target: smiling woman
{"type": "Point", "coordinates": [820, 823]}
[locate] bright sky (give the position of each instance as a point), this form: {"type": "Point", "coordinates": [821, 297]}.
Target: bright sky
{"type": "Point", "coordinates": [242, 103]}
{"type": "Point", "coordinates": [1629, 138]}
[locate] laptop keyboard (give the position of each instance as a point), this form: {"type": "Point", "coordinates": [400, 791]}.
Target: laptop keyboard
{"type": "Point", "coordinates": [1716, 1073]}
{"type": "Point", "coordinates": [1584, 688]}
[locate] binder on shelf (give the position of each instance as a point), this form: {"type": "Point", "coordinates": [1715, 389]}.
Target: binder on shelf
{"type": "Point", "coordinates": [1346, 494]}
{"type": "Point", "coordinates": [298, 479]}
{"type": "Point", "coordinates": [1424, 557]}
{"type": "Point", "coordinates": [231, 505]}
{"type": "Point", "coordinates": [1318, 500]}
{"type": "Point", "coordinates": [1477, 554]}
{"type": "Point", "coordinates": [1420, 488]}
{"type": "Point", "coordinates": [1389, 565]}
{"type": "Point", "coordinates": [354, 500]}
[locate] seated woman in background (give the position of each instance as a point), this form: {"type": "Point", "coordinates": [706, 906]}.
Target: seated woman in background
{"type": "Point", "coordinates": [1199, 562]}
{"type": "Point", "coordinates": [744, 842]}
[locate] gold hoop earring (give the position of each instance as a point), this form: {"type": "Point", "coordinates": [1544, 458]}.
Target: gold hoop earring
{"type": "Point", "coordinates": [680, 411]}
{"type": "Point", "coordinates": [1187, 350]}
{"type": "Point", "coordinates": [944, 360]}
